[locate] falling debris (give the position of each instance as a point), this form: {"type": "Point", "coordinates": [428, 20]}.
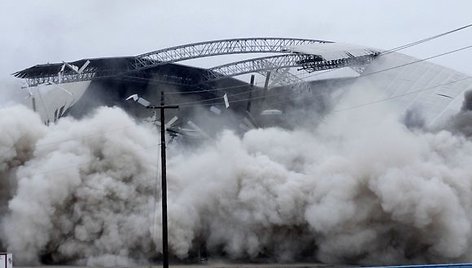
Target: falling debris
{"type": "Point", "coordinates": [171, 122]}
{"type": "Point", "coordinates": [271, 112]}
{"type": "Point", "coordinates": [139, 100]}
{"type": "Point", "coordinates": [198, 129]}
{"type": "Point", "coordinates": [225, 97]}
{"type": "Point", "coordinates": [215, 110]}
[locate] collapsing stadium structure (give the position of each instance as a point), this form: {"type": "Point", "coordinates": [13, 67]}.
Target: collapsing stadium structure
{"type": "Point", "coordinates": [246, 93]}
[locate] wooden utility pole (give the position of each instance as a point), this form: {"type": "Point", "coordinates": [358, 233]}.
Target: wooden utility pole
{"type": "Point", "coordinates": [165, 242]}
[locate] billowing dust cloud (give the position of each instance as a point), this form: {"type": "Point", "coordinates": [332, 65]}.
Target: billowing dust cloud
{"type": "Point", "coordinates": [346, 191]}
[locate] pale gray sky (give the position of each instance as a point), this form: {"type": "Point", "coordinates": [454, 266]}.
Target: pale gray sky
{"type": "Point", "coordinates": [34, 32]}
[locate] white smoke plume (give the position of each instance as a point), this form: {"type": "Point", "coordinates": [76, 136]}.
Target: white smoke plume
{"type": "Point", "coordinates": [17, 144]}
{"type": "Point", "coordinates": [346, 191]}
{"type": "Point", "coordinates": [85, 187]}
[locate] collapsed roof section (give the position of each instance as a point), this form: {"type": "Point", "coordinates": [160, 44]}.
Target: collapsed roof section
{"type": "Point", "coordinates": [306, 54]}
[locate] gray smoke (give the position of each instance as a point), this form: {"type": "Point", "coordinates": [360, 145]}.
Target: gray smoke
{"type": "Point", "coordinates": [17, 144]}
{"type": "Point", "coordinates": [467, 104]}
{"type": "Point", "coordinates": [461, 123]}
{"type": "Point", "coordinates": [413, 119]}
{"type": "Point", "coordinates": [347, 191]}
{"type": "Point", "coordinates": [86, 186]}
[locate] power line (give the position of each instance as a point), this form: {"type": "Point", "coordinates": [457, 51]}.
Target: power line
{"type": "Point", "coordinates": [410, 63]}
{"type": "Point", "coordinates": [412, 44]}
{"type": "Point", "coordinates": [151, 81]}
{"type": "Point", "coordinates": [310, 75]}
{"type": "Point", "coordinates": [425, 40]}
{"type": "Point", "coordinates": [157, 81]}
{"type": "Point", "coordinates": [83, 163]}
{"type": "Point", "coordinates": [201, 103]}
{"type": "Point", "coordinates": [420, 60]}
{"type": "Point", "coordinates": [401, 95]}
{"type": "Point", "coordinates": [361, 105]}
{"type": "Point", "coordinates": [197, 103]}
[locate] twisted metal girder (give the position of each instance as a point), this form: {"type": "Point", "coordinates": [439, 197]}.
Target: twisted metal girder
{"type": "Point", "coordinates": [219, 47]}
{"type": "Point", "coordinates": [310, 63]}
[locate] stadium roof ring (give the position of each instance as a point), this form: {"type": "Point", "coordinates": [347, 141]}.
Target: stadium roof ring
{"type": "Point", "coordinates": [289, 48]}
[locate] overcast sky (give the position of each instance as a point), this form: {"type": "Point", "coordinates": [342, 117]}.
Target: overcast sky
{"type": "Point", "coordinates": [41, 31]}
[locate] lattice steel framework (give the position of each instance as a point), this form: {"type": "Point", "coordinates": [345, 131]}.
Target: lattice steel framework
{"type": "Point", "coordinates": [220, 47]}
{"type": "Point", "coordinates": [57, 73]}
{"type": "Point", "coordinates": [56, 79]}
{"type": "Point", "coordinates": [310, 63]}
